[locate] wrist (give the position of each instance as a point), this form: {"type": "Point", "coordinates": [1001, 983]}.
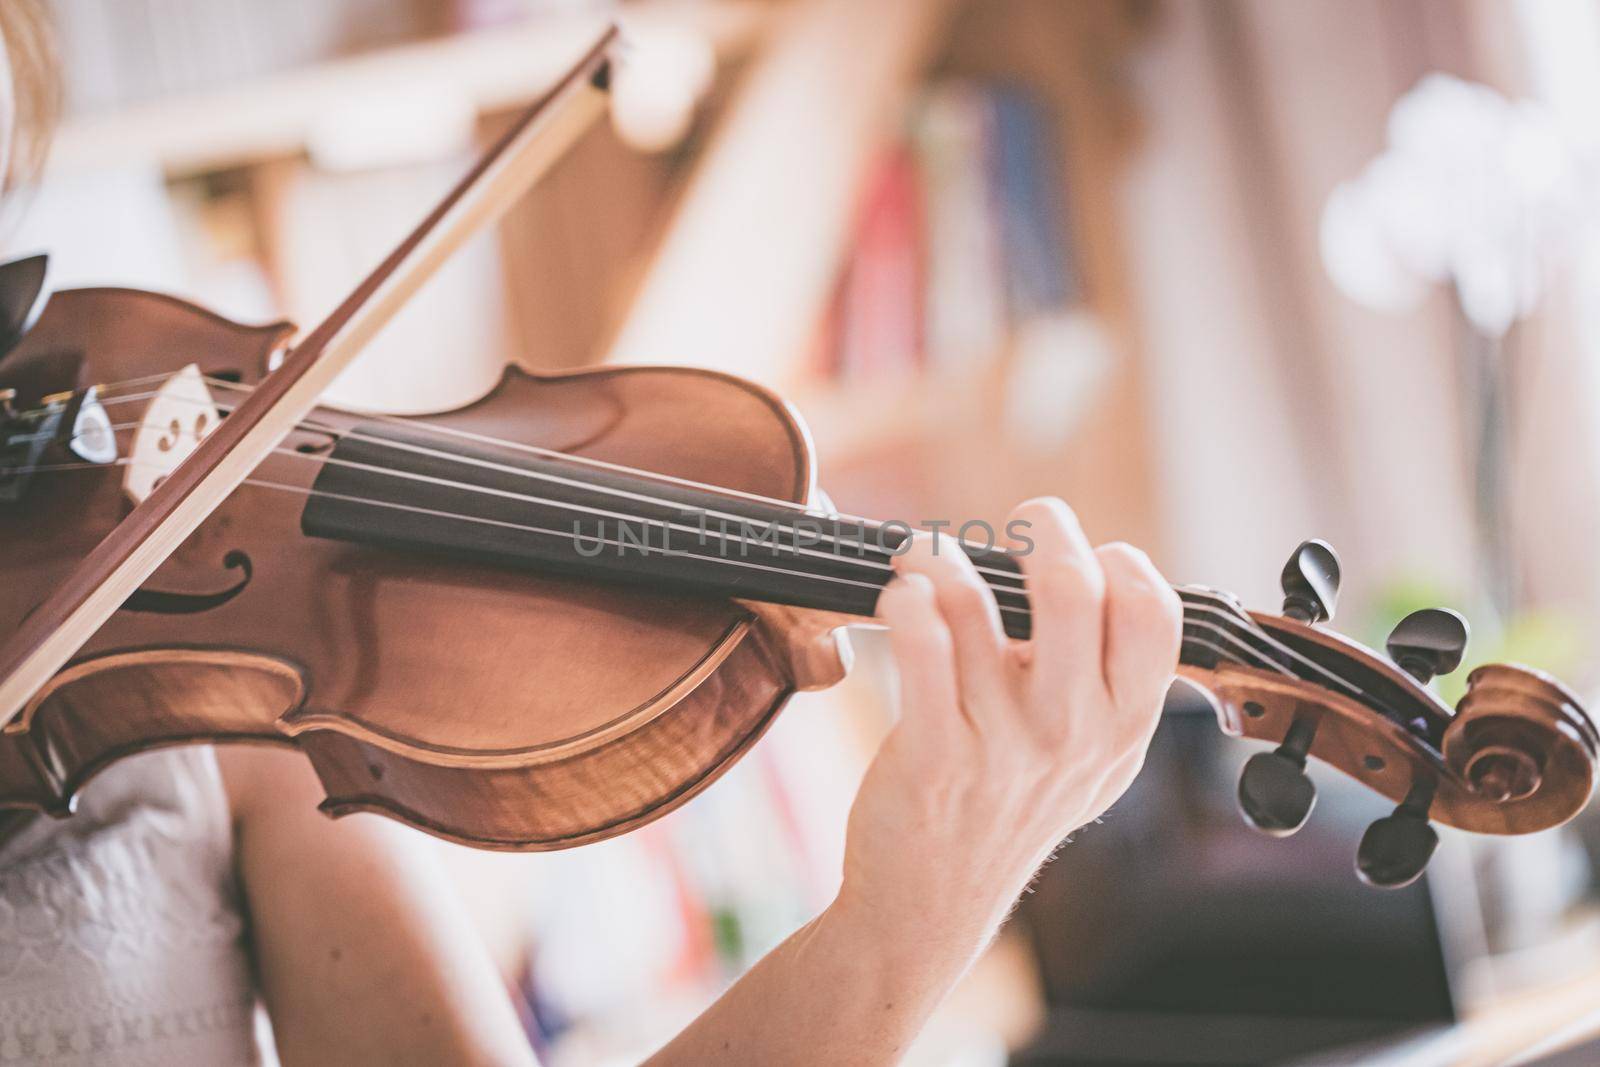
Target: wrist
{"type": "Point", "coordinates": [901, 959]}
{"type": "Point", "coordinates": [936, 926]}
{"type": "Point", "coordinates": [958, 892]}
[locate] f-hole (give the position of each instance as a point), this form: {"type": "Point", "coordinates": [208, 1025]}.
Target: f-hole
{"type": "Point", "coordinates": [162, 602]}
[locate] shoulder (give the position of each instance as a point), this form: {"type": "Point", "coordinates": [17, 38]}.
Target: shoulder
{"type": "Point", "coordinates": [257, 778]}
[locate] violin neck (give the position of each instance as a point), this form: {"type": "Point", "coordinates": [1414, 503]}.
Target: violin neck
{"type": "Point", "coordinates": [498, 504]}
{"type": "Point", "coordinates": [392, 486]}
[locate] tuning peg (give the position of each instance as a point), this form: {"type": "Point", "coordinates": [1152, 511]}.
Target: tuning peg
{"type": "Point", "coordinates": [21, 297]}
{"type": "Point", "coordinates": [1311, 582]}
{"type": "Point", "coordinates": [1395, 849]}
{"type": "Point", "coordinates": [1275, 795]}
{"type": "Point", "coordinates": [1428, 643]}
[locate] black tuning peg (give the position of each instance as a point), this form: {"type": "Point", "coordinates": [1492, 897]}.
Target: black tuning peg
{"type": "Point", "coordinates": [1275, 796]}
{"type": "Point", "coordinates": [1395, 849]}
{"type": "Point", "coordinates": [21, 290]}
{"type": "Point", "coordinates": [1311, 582]}
{"type": "Point", "coordinates": [1428, 643]}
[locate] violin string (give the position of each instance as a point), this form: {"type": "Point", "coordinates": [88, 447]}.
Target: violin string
{"type": "Point", "coordinates": [1264, 663]}
{"type": "Point", "coordinates": [1216, 605]}
{"type": "Point", "coordinates": [666, 524]}
{"type": "Point", "coordinates": [588, 461]}
{"type": "Point", "coordinates": [838, 551]}
{"type": "Point", "coordinates": [833, 543]}
{"type": "Point", "coordinates": [148, 379]}
{"type": "Point", "coordinates": [861, 548]}
{"type": "Point", "coordinates": [116, 427]}
{"type": "Point", "coordinates": [105, 400]}
{"type": "Point", "coordinates": [467, 486]}
{"type": "Point", "coordinates": [1261, 660]}
{"type": "Point", "coordinates": [1195, 601]}
{"type": "Point", "coordinates": [1288, 650]}
{"type": "Point", "coordinates": [1245, 620]}
{"type": "Point", "coordinates": [1215, 649]}
{"type": "Point", "coordinates": [461, 516]}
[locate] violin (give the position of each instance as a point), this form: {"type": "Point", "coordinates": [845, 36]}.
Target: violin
{"type": "Point", "coordinates": [555, 614]}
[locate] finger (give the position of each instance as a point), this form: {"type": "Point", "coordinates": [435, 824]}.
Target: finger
{"type": "Point", "coordinates": [921, 644]}
{"type": "Point", "coordinates": [1066, 592]}
{"type": "Point", "coordinates": [1143, 628]}
{"type": "Point", "coordinates": [970, 612]}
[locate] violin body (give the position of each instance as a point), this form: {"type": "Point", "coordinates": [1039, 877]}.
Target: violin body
{"type": "Point", "coordinates": [515, 707]}
{"type": "Point", "coordinates": [498, 708]}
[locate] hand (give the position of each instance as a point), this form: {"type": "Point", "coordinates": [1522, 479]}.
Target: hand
{"type": "Point", "coordinates": [1004, 747]}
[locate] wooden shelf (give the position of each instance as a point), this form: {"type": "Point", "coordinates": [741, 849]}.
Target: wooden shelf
{"type": "Point", "coordinates": [272, 117]}
{"type": "Point", "coordinates": [750, 258]}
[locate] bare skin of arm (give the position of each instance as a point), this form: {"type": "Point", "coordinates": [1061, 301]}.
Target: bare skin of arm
{"type": "Point", "coordinates": [364, 953]}
{"type": "Point", "coordinates": [1002, 749]}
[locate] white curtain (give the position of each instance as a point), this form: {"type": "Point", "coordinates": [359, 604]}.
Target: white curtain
{"type": "Point", "coordinates": [1284, 409]}
{"type": "Point", "coordinates": [1560, 455]}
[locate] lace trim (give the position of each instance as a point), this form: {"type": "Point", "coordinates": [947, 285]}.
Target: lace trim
{"type": "Point", "coordinates": [121, 930]}
{"type": "Point", "coordinates": [192, 1030]}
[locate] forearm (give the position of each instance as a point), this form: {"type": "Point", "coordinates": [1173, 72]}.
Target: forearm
{"type": "Point", "coordinates": [847, 988]}
{"type": "Point", "coordinates": [364, 957]}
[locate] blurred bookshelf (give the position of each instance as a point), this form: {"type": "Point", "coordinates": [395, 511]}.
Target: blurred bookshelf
{"type": "Point", "coordinates": [913, 238]}
{"type": "Point", "coordinates": [1028, 375]}
{"type": "Point", "coordinates": [271, 74]}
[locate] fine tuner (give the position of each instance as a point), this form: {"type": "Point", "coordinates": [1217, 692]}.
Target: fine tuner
{"type": "Point", "coordinates": [446, 617]}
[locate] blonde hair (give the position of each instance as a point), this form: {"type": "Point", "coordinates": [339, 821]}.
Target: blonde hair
{"type": "Point", "coordinates": [32, 90]}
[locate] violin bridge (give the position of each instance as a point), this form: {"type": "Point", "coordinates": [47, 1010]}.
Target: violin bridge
{"type": "Point", "coordinates": [179, 417]}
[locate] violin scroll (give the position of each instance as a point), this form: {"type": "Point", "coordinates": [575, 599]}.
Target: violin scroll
{"type": "Point", "coordinates": [1513, 725]}
{"type": "Point", "coordinates": [1517, 755]}
{"type": "Point", "coordinates": [1520, 739]}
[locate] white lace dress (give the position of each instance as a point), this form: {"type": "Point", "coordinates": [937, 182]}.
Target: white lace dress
{"type": "Point", "coordinates": [121, 928]}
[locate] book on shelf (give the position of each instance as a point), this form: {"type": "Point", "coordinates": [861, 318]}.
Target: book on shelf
{"type": "Point", "coordinates": [961, 240]}
{"type": "Point", "coordinates": [951, 133]}
{"type": "Point", "coordinates": [1028, 184]}
{"type": "Point", "coordinates": [962, 267]}
{"type": "Point", "coordinates": [879, 306]}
